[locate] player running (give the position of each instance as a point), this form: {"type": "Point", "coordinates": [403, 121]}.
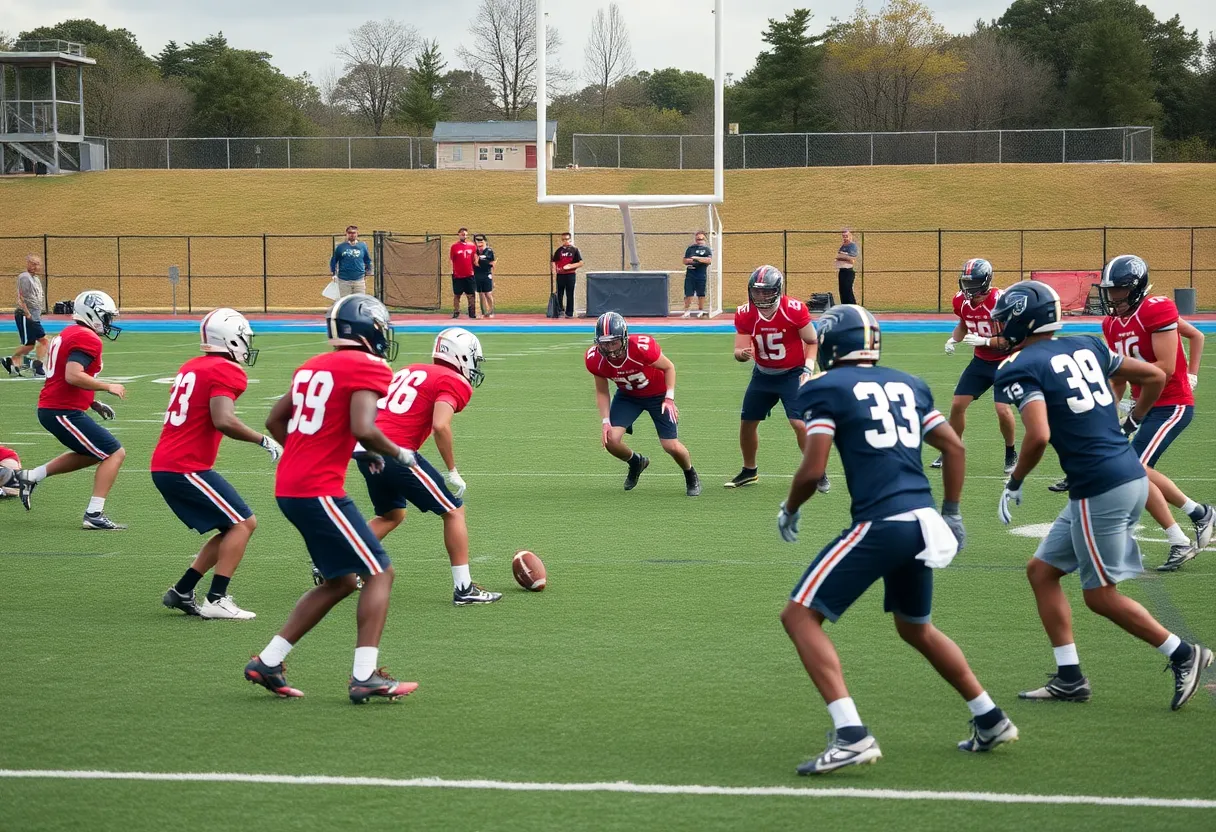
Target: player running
{"type": "Point", "coordinates": [422, 399]}
{"type": "Point", "coordinates": [877, 417]}
{"type": "Point", "coordinates": [330, 406]}
{"type": "Point", "coordinates": [775, 331]}
{"type": "Point", "coordinates": [202, 409]}
{"type": "Point", "coordinates": [640, 370]}
{"type": "Point", "coordinates": [1060, 387]}
{"type": "Point", "coordinates": [973, 306]}
{"type": "Point", "coordinates": [73, 363]}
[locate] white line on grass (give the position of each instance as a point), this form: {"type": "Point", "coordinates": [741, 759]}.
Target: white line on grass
{"type": "Point", "coordinates": [620, 786]}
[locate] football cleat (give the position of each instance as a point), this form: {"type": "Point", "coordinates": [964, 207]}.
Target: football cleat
{"type": "Point", "coordinates": [982, 740]}
{"type": "Point", "coordinates": [692, 483]}
{"type": "Point", "coordinates": [1011, 462]}
{"type": "Point", "coordinates": [271, 678]}
{"type": "Point", "coordinates": [839, 754]}
{"type": "Point", "coordinates": [224, 609]}
{"type": "Point", "coordinates": [743, 478]}
{"type": "Point", "coordinates": [1186, 675]}
{"type": "Point", "coordinates": [175, 600]}
{"type": "Point", "coordinates": [1204, 527]}
{"type": "Point", "coordinates": [25, 487]}
{"type": "Point", "coordinates": [100, 523]}
{"type": "Point", "coordinates": [635, 471]}
{"type": "Point", "coordinates": [824, 485]}
{"type": "Point", "coordinates": [1180, 553]}
{"type": "Point", "coordinates": [937, 463]}
{"type": "Point", "coordinates": [1059, 487]}
{"type": "Point", "coordinates": [9, 367]}
{"type": "Point", "coordinates": [473, 594]}
{"type": "Point", "coordinates": [1058, 690]}
{"type": "Point", "coordinates": [379, 684]}
{"type": "Point", "coordinates": [687, 314]}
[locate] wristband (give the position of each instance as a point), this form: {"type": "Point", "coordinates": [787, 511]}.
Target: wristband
{"type": "Point", "coordinates": [949, 507]}
{"type": "Point", "coordinates": [1013, 485]}
{"type": "Point", "coordinates": [671, 393]}
{"type": "Point", "coordinates": [606, 421]}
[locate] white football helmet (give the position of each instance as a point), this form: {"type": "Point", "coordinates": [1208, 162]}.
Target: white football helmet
{"type": "Point", "coordinates": [96, 310]}
{"type": "Point", "coordinates": [228, 331]}
{"type": "Point", "coordinates": [460, 349]}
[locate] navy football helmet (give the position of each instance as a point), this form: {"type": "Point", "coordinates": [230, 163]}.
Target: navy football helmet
{"type": "Point", "coordinates": [1027, 308]}
{"type": "Point", "coordinates": [1127, 271]}
{"type": "Point", "coordinates": [848, 332]}
{"type": "Point", "coordinates": [765, 287]}
{"type": "Point", "coordinates": [976, 277]}
{"type": "Point", "coordinates": [612, 336]}
{"type": "Point", "coordinates": [361, 321]}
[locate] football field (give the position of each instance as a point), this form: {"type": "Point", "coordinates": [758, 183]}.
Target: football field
{"type": "Point", "coordinates": [649, 686]}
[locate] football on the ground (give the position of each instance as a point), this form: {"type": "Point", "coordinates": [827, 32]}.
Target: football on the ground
{"type": "Point", "coordinates": [528, 570]}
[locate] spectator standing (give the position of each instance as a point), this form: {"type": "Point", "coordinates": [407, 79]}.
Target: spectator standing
{"type": "Point", "coordinates": [697, 258]}
{"type": "Point", "coordinates": [28, 316]}
{"type": "Point", "coordinates": [351, 264]}
{"type": "Point", "coordinates": [463, 255]}
{"type": "Point", "coordinates": [564, 264]}
{"type": "Point", "coordinates": [483, 274]}
{"type": "Point", "coordinates": [846, 258]}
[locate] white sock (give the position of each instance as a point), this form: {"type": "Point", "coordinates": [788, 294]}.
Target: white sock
{"type": "Point", "coordinates": [844, 713]}
{"type": "Point", "coordinates": [1171, 644]}
{"type": "Point", "coordinates": [1066, 655]}
{"type": "Point", "coordinates": [365, 662]}
{"type": "Point", "coordinates": [96, 505]}
{"type": "Point", "coordinates": [460, 576]}
{"type": "Point", "coordinates": [38, 474]}
{"type": "Point", "coordinates": [275, 652]}
{"type": "Point", "coordinates": [981, 704]}
{"type": "Point", "coordinates": [1177, 536]}
{"type": "Point", "coordinates": [1189, 506]}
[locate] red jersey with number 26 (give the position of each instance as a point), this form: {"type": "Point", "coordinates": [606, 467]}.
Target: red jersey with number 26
{"type": "Point", "coordinates": [189, 441]}
{"type": "Point", "coordinates": [776, 344]}
{"type": "Point", "coordinates": [1133, 337]}
{"type": "Point", "coordinates": [407, 413]}
{"type": "Point", "coordinates": [635, 375]}
{"type": "Point", "coordinates": [56, 393]}
{"type": "Point", "coordinates": [319, 441]}
{"type": "Point", "coordinates": [977, 317]}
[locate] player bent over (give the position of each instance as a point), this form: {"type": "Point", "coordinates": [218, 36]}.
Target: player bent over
{"type": "Point", "coordinates": [202, 409]}
{"type": "Point", "coordinates": [423, 398]}
{"type": "Point", "coordinates": [775, 332]}
{"type": "Point", "coordinates": [10, 463]}
{"type": "Point", "coordinates": [74, 360]}
{"type": "Point", "coordinates": [877, 417]}
{"type": "Point", "coordinates": [330, 406]}
{"type": "Point", "coordinates": [646, 383]}
{"type": "Point", "coordinates": [1060, 387]}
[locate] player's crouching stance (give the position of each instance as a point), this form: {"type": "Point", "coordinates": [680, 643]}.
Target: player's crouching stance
{"type": "Point", "coordinates": [202, 407]}
{"type": "Point", "coordinates": [1060, 387]}
{"type": "Point", "coordinates": [877, 417]}
{"type": "Point", "coordinates": [646, 383]}
{"type": "Point", "coordinates": [331, 404]}
{"type": "Point", "coordinates": [422, 399]}
{"type": "Point", "coordinates": [74, 360]}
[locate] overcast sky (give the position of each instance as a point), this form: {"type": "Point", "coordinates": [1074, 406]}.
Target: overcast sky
{"type": "Point", "coordinates": [302, 34]}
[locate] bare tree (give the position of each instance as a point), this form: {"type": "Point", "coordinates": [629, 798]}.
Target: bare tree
{"type": "Point", "coordinates": [1002, 86]}
{"type": "Point", "coordinates": [376, 61]}
{"type": "Point", "coordinates": [609, 56]}
{"type": "Point", "coordinates": [504, 53]}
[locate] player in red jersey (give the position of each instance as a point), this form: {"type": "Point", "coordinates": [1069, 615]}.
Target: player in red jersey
{"type": "Point", "coordinates": [9, 465]}
{"type": "Point", "coordinates": [463, 255]}
{"type": "Point", "coordinates": [775, 331]}
{"type": "Point", "coordinates": [73, 362]}
{"type": "Point", "coordinates": [422, 399]}
{"type": "Point", "coordinates": [646, 383]}
{"type": "Point", "coordinates": [973, 305]}
{"type": "Point", "coordinates": [202, 409]}
{"type": "Point", "coordinates": [332, 405]}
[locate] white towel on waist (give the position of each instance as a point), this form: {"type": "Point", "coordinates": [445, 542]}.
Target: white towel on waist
{"type": "Point", "coordinates": [940, 543]}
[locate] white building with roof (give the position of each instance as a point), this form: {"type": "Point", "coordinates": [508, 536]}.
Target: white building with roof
{"type": "Point", "coordinates": [491, 145]}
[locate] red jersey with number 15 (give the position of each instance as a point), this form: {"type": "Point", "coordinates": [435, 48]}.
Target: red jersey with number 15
{"type": "Point", "coordinates": [189, 441]}
{"type": "Point", "coordinates": [407, 413]}
{"type": "Point", "coordinates": [776, 344]}
{"type": "Point", "coordinates": [635, 375]}
{"type": "Point", "coordinates": [976, 315]}
{"type": "Point", "coordinates": [319, 441]}
{"type": "Point", "coordinates": [56, 393]}
{"type": "Point", "coordinates": [1133, 337]}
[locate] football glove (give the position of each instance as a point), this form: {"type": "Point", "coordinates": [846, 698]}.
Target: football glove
{"type": "Point", "coordinates": [272, 447]}
{"type": "Point", "coordinates": [1193, 379]}
{"type": "Point", "coordinates": [456, 483]}
{"type": "Point", "coordinates": [1012, 493]}
{"type": "Point", "coordinates": [955, 521]}
{"type": "Point", "coordinates": [973, 340]}
{"type": "Point", "coordinates": [950, 342]}
{"type": "Point", "coordinates": [407, 457]}
{"type": "Point", "coordinates": [1126, 406]}
{"type": "Point", "coordinates": [787, 524]}
{"type": "Point", "coordinates": [1129, 425]}
{"type": "Point", "coordinates": [103, 410]}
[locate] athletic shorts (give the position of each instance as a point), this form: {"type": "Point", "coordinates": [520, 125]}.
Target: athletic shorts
{"type": "Point", "coordinates": [28, 330]}
{"type": "Point", "coordinates": [766, 389]}
{"type": "Point", "coordinates": [847, 567]}
{"type": "Point", "coordinates": [464, 285]}
{"type": "Point", "coordinates": [484, 283]}
{"type": "Point", "coordinates": [977, 377]}
{"type": "Point", "coordinates": [694, 285]}
{"type": "Point", "coordinates": [423, 487]}
{"type": "Point", "coordinates": [78, 433]}
{"type": "Point", "coordinates": [1159, 429]}
{"type": "Point", "coordinates": [625, 411]}
{"type": "Point", "coordinates": [1093, 536]}
{"type": "Point", "coordinates": [203, 501]}
{"type": "Point", "coordinates": [338, 539]}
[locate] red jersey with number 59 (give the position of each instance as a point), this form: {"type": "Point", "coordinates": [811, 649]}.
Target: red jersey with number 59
{"type": "Point", "coordinates": [635, 375]}
{"type": "Point", "coordinates": [407, 413]}
{"type": "Point", "coordinates": [1133, 337]}
{"type": "Point", "coordinates": [976, 315]}
{"type": "Point", "coordinates": [776, 344]}
{"type": "Point", "coordinates": [319, 440]}
{"type": "Point", "coordinates": [56, 393]}
{"type": "Point", "coordinates": [189, 441]}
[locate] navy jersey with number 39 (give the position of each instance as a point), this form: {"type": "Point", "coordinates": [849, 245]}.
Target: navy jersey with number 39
{"type": "Point", "coordinates": [877, 416]}
{"type": "Point", "coordinates": [1070, 376]}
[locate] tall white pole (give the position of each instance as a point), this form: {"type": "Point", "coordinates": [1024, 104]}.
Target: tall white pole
{"type": "Point", "coordinates": [719, 104]}
{"type": "Point", "coordinates": [542, 103]}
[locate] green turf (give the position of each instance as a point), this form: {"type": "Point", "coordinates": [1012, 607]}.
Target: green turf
{"type": "Point", "coordinates": [655, 655]}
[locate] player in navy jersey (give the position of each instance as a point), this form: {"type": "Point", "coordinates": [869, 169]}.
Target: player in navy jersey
{"type": "Point", "coordinates": [1061, 388]}
{"type": "Point", "coordinates": [877, 417]}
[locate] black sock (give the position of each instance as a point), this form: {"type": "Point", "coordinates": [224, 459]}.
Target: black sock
{"type": "Point", "coordinates": [1183, 654]}
{"type": "Point", "coordinates": [219, 588]}
{"type": "Point", "coordinates": [188, 581]}
{"type": "Point", "coordinates": [1069, 673]}
{"type": "Point", "coordinates": [1010, 452]}
{"type": "Point", "coordinates": [1198, 513]}
{"type": "Point", "coordinates": [989, 720]}
{"type": "Point", "coordinates": [852, 733]}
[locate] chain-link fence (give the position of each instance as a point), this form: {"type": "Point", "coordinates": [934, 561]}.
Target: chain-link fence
{"type": "Point", "coordinates": [796, 150]}
{"type": "Point", "coordinates": [396, 152]}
